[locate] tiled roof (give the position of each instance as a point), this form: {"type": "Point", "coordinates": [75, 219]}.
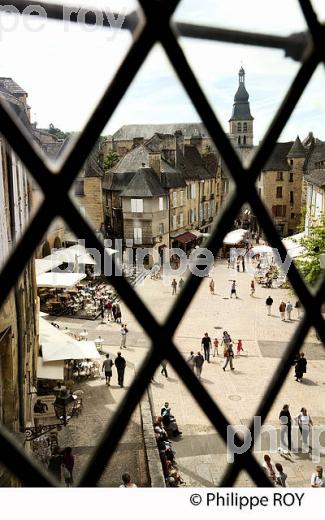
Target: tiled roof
{"type": "Point", "coordinates": [297, 150]}
{"type": "Point", "coordinates": [146, 131]}
{"type": "Point", "coordinates": [316, 155]}
{"type": "Point", "coordinates": [12, 86]}
{"type": "Point", "coordinates": [117, 181]}
{"type": "Point", "coordinates": [316, 177]}
{"type": "Point", "coordinates": [278, 158]}
{"type": "Point", "coordinates": [192, 165]}
{"type": "Point", "coordinates": [145, 183]}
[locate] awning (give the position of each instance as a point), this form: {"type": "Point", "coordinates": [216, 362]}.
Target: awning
{"type": "Point", "coordinates": [292, 245]}
{"type": "Point", "coordinates": [197, 233]}
{"type": "Point", "coordinates": [80, 254]}
{"type": "Point", "coordinates": [186, 238]}
{"type": "Point", "coordinates": [59, 280]}
{"type": "Point", "coordinates": [43, 265]}
{"type": "Point", "coordinates": [235, 237]}
{"type": "Point", "coordinates": [57, 346]}
{"type": "Point", "coordinates": [53, 370]}
{"type": "Point", "coordinates": [260, 249]}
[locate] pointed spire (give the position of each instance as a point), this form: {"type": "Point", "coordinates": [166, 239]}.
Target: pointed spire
{"type": "Point", "coordinates": [297, 150]}
{"type": "Point", "coordinates": [241, 75]}
{"type": "Point", "coordinates": [241, 109]}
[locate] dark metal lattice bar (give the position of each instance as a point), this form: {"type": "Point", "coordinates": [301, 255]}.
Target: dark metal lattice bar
{"type": "Point", "coordinates": [157, 28]}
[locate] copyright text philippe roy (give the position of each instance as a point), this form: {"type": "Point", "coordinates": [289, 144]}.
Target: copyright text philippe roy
{"type": "Point", "coordinates": [240, 501]}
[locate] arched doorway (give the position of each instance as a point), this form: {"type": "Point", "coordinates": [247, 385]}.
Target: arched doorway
{"type": "Point", "coordinates": [46, 250]}
{"type": "Point", "coordinates": [57, 243]}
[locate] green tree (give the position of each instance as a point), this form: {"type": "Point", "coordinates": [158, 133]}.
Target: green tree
{"type": "Point", "coordinates": [57, 132]}
{"type": "Point", "coordinates": [314, 243]}
{"type": "Point", "coordinates": [110, 159]}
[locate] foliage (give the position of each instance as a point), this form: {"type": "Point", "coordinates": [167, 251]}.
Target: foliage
{"type": "Point", "coordinates": [302, 224]}
{"type": "Point", "coordinates": [110, 159]}
{"type": "Point", "coordinates": [57, 132]}
{"type": "Point", "coordinates": [314, 244]}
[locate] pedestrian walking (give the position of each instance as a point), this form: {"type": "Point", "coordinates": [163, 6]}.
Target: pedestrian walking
{"type": "Point", "coordinates": [118, 313]}
{"type": "Point", "coordinates": [211, 285]}
{"type": "Point", "coordinates": [305, 423]}
{"type": "Point", "coordinates": [285, 429]}
{"type": "Point", "coordinates": [124, 332]}
{"type": "Point", "coordinates": [174, 286]}
{"type": "Point", "coordinates": [190, 360]}
{"type": "Point", "coordinates": [300, 367]}
{"type": "Point", "coordinates": [298, 307]}
{"type": "Point", "coordinates": [243, 264]}
{"type": "Point", "coordinates": [280, 476]}
{"type": "Point", "coordinates": [269, 303]}
{"type": "Point", "coordinates": [120, 364]}
{"type": "Point", "coordinates": [198, 364]}
{"type": "Point", "coordinates": [282, 310]}
{"type": "Point", "coordinates": [107, 367]}
{"type": "Point", "coordinates": [109, 306]}
{"type": "Point", "coordinates": [237, 264]}
{"type": "Point", "coordinates": [317, 478]}
{"type": "Point", "coordinates": [233, 288]}
{"type": "Point", "coordinates": [240, 347]}
{"type": "Point", "coordinates": [67, 466]}
{"type": "Point", "coordinates": [206, 346]}
{"type": "Point", "coordinates": [181, 284]}
{"type": "Point", "coordinates": [215, 347]}
{"type": "Point", "coordinates": [102, 313]}
{"type": "Point", "coordinates": [289, 308]}
{"type": "Point", "coordinates": [164, 368]}
{"type": "Point", "coordinates": [252, 288]}
{"type": "Point", "coordinates": [228, 353]}
{"type": "Point", "coordinates": [114, 312]}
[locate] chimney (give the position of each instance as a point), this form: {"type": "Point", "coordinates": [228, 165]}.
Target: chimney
{"type": "Point", "coordinates": [179, 146]}
{"type": "Point", "coordinates": [196, 140]}
{"type": "Point", "coordinates": [155, 162]}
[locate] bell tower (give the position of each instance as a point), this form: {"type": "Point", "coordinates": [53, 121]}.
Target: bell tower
{"type": "Point", "coordinates": [241, 121]}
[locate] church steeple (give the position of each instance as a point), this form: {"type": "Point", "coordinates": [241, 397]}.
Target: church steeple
{"type": "Point", "coordinates": [241, 121]}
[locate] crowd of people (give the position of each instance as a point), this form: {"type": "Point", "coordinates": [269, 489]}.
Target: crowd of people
{"type": "Point", "coordinates": [164, 426]}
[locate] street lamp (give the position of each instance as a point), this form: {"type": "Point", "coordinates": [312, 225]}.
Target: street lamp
{"type": "Point", "coordinates": [65, 406]}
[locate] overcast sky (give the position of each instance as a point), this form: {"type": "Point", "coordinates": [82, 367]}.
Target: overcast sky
{"type": "Point", "coordinates": [66, 69]}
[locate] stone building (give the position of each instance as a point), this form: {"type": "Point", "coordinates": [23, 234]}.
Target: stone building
{"type": "Point", "coordinates": [19, 314]}
{"type": "Point", "coordinates": [88, 195]}
{"type": "Point", "coordinates": [280, 185]}
{"type": "Point", "coordinates": [314, 182]}
{"type": "Point", "coordinates": [184, 201]}
{"type": "Point", "coordinates": [131, 136]}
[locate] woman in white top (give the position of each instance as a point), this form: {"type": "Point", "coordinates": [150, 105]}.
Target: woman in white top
{"type": "Point", "coordinates": [305, 423]}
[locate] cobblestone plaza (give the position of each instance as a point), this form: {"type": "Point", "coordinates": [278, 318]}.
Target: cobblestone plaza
{"type": "Point", "coordinates": [200, 452]}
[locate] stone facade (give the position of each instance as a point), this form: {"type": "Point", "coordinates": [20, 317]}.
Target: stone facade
{"type": "Point", "coordinates": [19, 315]}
